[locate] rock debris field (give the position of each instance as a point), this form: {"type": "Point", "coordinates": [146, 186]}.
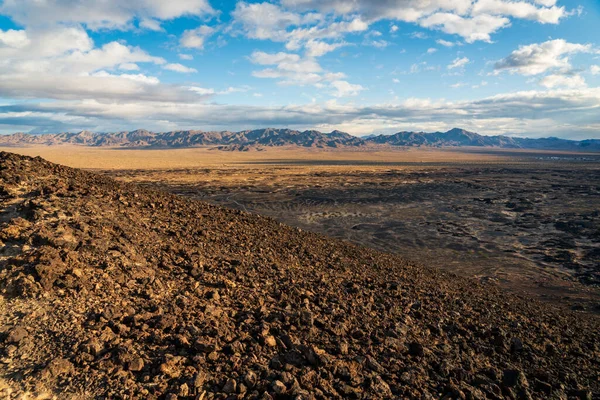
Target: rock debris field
{"type": "Point", "coordinates": [110, 290]}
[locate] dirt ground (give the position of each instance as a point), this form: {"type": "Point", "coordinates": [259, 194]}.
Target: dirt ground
{"type": "Point", "coordinates": [527, 221]}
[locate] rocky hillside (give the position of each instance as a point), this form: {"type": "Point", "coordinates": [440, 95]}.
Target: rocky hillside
{"type": "Point", "coordinates": [108, 290]}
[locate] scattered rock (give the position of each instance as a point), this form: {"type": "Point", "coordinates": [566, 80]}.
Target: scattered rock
{"type": "Point", "coordinates": [17, 334]}
{"type": "Point", "coordinates": [279, 387]}
{"type": "Point", "coordinates": [230, 386]}
{"type": "Point", "coordinates": [136, 365]}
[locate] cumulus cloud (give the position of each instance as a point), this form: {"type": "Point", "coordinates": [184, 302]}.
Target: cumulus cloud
{"type": "Point", "coordinates": [479, 27]}
{"type": "Point", "coordinates": [317, 48]}
{"type": "Point", "coordinates": [538, 58]}
{"type": "Point", "coordinates": [196, 38]}
{"type": "Point", "coordinates": [344, 89]}
{"type": "Point", "coordinates": [62, 63]}
{"type": "Point", "coordinates": [108, 14]}
{"type": "Point", "coordinates": [560, 80]}
{"type": "Point", "coordinates": [14, 38]}
{"type": "Point", "coordinates": [473, 20]}
{"type": "Point", "coordinates": [291, 69]}
{"type": "Point", "coordinates": [520, 9]}
{"type": "Point", "coordinates": [595, 69]}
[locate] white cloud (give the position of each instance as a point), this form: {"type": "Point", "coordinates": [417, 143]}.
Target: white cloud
{"type": "Point", "coordinates": [473, 20]}
{"type": "Point", "coordinates": [291, 69]}
{"type": "Point", "coordinates": [186, 57]}
{"type": "Point", "coordinates": [14, 38]}
{"type": "Point", "coordinates": [107, 56]}
{"type": "Point", "coordinates": [62, 63]}
{"type": "Point", "coordinates": [396, 80]}
{"type": "Point", "coordinates": [47, 42]}
{"type": "Point", "coordinates": [317, 48]}
{"type": "Point", "coordinates": [446, 43]}
{"type": "Point", "coordinates": [196, 38]}
{"type": "Point", "coordinates": [129, 67]}
{"type": "Point", "coordinates": [345, 89]}
{"type": "Point", "coordinates": [262, 58]}
{"type": "Point", "coordinates": [232, 89]}
{"type": "Point", "coordinates": [407, 10]}
{"type": "Point", "coordinates": [150, 24]}
{"type": "Point", "coordinates": [520, 9]}
{"type": "Point", "coordinates": [393, 29]}
{"type": "Point", "coordinates": [538, 58]}
{"type": "Point", "coordinates": [150, 80]}
{"type": "Point", "coordinates": [479, 27]}
{"type": "Point", "coordinates": [418, 35]}
{"type": "Point", "coordinates": [179, 68]}
{"type": "Point", "coordinates": [458, 63]}
{"type": "Point", "coordinates": [559, 80]}
{"type": "Point", "coordinates": [202, 91]}
{"type": "Point", "coordinates": [68, 50]}
{"type": "Point", "coordinates": [333, 30]}
{"type": "Point", "coordinates": [422, 66]}
{"type": "Point", "coordinates": [264, 20]}
{"type": "Point", "coordinates": [431, 50]}
{"type": "Point", "coordinates": [101, 14]}
{"type": "Point", "coordinates": [534, 113]}
{"type": "Point", "coordinates": [595, 69]}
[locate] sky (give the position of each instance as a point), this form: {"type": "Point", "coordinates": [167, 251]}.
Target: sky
{"type": "Point", "coordinates": [513, 67]}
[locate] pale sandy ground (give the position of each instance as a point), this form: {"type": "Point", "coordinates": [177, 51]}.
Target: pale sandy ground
{"type": "Point", "coordinates": [111, 158]}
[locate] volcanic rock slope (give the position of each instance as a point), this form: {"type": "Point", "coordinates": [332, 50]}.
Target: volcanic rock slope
{"type": "Point", "coordinates": [109, 290]}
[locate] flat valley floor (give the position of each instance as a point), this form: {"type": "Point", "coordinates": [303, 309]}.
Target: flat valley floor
{"type": "Point", "coordinates": [528, 221]}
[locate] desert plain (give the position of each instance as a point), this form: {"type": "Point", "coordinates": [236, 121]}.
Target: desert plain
{"type": "Point", "coordinates": [526, 221]}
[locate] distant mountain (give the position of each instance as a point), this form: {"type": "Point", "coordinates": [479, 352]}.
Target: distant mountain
{"type": "Point", "coordinates": [224, 140]}
{"type": "Point", "coordinates": [270, 137]}
{"type": "Point", "coordinates": [461, 138]}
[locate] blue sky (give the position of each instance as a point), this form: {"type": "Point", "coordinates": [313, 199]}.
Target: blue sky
{"type": "Point", "coordinates": [515, 67]}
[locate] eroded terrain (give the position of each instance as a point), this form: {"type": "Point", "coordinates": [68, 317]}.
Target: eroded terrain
{"type": "Point", "coordinates": [529, 224]}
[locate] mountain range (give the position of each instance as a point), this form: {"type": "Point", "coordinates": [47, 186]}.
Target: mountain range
{"type": "Point", "coordinates": [272, 137]}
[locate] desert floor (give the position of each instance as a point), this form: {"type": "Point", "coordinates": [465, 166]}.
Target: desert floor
{"type": "Point", "coordinates": [526, 220]}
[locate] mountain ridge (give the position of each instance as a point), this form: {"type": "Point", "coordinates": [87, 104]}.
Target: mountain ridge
{"type": "Point", "coordinates": [280, 137]}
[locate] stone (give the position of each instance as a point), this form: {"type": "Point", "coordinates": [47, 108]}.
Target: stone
{"type": "Point", "coordinates": [250, 379]}
{"type": "Point", "coordinates": [57, 367]}
{"type": "Point", "coordinates": [136, 365]}
{"type": "Point", "coordinates": [17, 335]}
{"type": "Point", "coordinates": [270, 341]}
{"type": "Point", "coordinates": [514, 377]}
{"type": "Point", "coordinates": [279, 387]}
{"type": "Point", "coordinates": [200, 379]}
{"type": "Point", "coordinates": [230, 386]}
